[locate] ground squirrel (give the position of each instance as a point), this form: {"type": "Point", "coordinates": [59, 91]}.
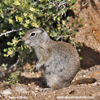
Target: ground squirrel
{"type": "Point", "coordinates": [60, 60]}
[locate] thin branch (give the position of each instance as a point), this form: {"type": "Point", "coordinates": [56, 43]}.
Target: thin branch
{"type": "Point", "coordinates": [60, 36]}
{"type": "Point", "coordinates": [11, 67]}
{"type": "Point", "coordinates": [11, 12]}
{"type": "Point", "coordinates": [52, 3]}
{"type": "Point", "coordinates": [83, 6]}
{"type": "Point", "coordinates": [61, 4]}
{"type": "Point", "coordinates": [13, 30]}
{"type": "Point", "coordinates": [86, 3]}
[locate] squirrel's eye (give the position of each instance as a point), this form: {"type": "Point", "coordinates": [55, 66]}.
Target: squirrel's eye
{"type": "Point", "coordinates": [32, 34]}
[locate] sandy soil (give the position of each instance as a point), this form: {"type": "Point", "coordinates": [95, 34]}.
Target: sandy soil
{"type": "Point", "coordinates": [32, 83]}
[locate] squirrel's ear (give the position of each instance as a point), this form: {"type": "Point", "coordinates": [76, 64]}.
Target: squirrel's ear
{"type": "Point", "coordinates": [42, 29]}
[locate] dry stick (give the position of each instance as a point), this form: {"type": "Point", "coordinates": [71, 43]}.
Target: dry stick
{"type": "Point", "coordinates": [61, 4]}
{"type": "Point", "coordinates": [60, 36]}
{"type": "Point", "coordinates": [13, 30]}
{"type": "Point", "coordinates": [11, 12]}
{"type": "Point", "coordinates": [83, 6]}
{"type": "Point", "coordinates": [14, 65]}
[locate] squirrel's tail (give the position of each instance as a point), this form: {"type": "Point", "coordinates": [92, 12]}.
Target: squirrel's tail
{"type": "Point", "coordinates": [84, 81]}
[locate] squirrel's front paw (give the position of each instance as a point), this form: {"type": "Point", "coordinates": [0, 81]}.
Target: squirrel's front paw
{"type": "Point", "coordinates": [38, 67]}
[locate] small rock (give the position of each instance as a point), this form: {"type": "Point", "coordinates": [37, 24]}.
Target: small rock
{"type": "Point", "coordinates": [36, 91]}
{"type": "Point", "coordinates": [98, 83]}
{"type": "Point", "coordinates": [94, 84]}
{"type": "Point", "coordinates": [29, 84]}
{"type": "Point", "coordinates": [6, 92]}
{"type": "Point", "coordinates": [90, 69]}
{"type": "Point", "coordinates": [96, 94]}
{"type": "Point", "coordinates": [37, 88]}
{"type": "Point", "coordinates": [29, 88]}
{"type": "Point", "coordinates": [72, 92]}
{"type": "Point", "coordinates": [49, 96]}
{"type": "Point", "coordinates": [23, 97]}
{"type": "Point", "coordinates": [33, 93]}
{"type": "Point", "coordinates": [20, 89]}
{"type": "Point", "coordinates": [83, 73]}
{"type": "Point", "coordinates": [0, 96]}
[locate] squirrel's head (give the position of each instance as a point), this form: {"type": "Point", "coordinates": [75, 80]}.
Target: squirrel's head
{"type": "Point", "coordinates": [35, 36]}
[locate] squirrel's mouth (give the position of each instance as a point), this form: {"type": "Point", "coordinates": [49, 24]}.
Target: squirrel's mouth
{"type": "Point", "coordinates": [27, 42]}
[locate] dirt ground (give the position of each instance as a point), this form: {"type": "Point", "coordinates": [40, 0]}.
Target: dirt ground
{"type": "Point", "coordinates": [32, 83]}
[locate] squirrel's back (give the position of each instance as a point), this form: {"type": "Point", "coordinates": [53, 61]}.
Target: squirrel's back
{"type": "Point", "coordinates": [62, 65]}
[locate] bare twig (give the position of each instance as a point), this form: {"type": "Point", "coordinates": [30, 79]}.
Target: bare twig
{"type": "Point", "coordinates": [61, 36]}
{"type": "Point", "coordinates": [86, 3]}
{"type": "Point", "coordinates": [11, 12]}
{"type": "Point", "coordinates": [13, 30]}
{"type": "Point", "coordinates": [14, 65]}
{"type": "Point", "coordinates": [52, 3]}
{"type": "Point", "coordinates": [63, 3]}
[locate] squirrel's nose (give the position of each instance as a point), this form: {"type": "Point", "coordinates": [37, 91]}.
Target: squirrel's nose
{"type": "Point", "coordinates": [23, 39]}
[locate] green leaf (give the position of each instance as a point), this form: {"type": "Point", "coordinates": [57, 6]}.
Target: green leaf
{"type": "Point", "coordinates": [79, 50]}
{"type": "Point", "coordinates": [80, 25]}
{"type": "Point", "coordinates": [54, 18]}
{"type": "Point", "coordinates": [75, 21]}
{"type": "Point", "coordinates": [68, 18]}
{"type": "Point", "coordinates": [5, 55]}
{"type": "Point", "coordinates": [5, 50]}
{"type": "Point", "coordinates": [80, 58]}
{"type": "Point", "coordinates": [81, 20]}
{"type": "Point", "coordinates": [73, 1]}
{"type": "Point", "coordinates": [6, 3]}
